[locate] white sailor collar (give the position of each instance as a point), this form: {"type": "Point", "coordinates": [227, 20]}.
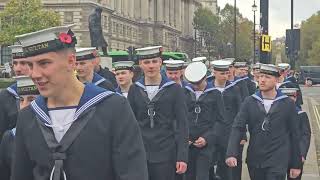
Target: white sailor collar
{"type": "Point", "coordinates": [279, 96]}
{"type": "Point", "coordinates": [208, 88]}
{"type": "Point", "coordinates": [13, 90]}
{"type": "Point", "coordinates": [229, 84]}
{"type": "Point", "coordinates": [97, 79]}
{"type": "Point", "coordinates": [90, 97]}
{"type": "Point", "coordinates": [165, 82]}
{"type": "Point", "coordinates": [238, 79]}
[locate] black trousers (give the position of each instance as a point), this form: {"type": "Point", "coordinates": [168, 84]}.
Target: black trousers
{"type": "Point", "coordinates": [223, 170]}
{"type": "Point", "coordinates": [298, 178]}
{"type": "Point", "coordinates": [162, 171]}
{"type": "Point", "coordinates": [199, 163]}
{"type": "Point", "coordinates": [265, 174]}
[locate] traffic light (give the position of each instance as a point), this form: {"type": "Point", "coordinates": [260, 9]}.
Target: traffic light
{"type": "Point", "coordinates": [132, 54]}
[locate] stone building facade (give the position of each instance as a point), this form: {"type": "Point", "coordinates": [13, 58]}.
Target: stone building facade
{"type": "Point", "coordinates": [135, 23]}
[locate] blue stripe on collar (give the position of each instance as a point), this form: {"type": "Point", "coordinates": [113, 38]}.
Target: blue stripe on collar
{"type": "Point", "coordinates": [229, 84]}
{"type": "Point", "coordinates": [118, 90]}
{"type": "Point", "coordinates": [97, 79]}
{"type": "Point", "coordinates": [90, 97]}
{"type": "Point", "coordinates": [208, 88]}
{"type": "Point", "coordinates": [279, 96]}
{"type": "Point", "coordinates": [165, 82]}
{"type": "Point", "coordinates": [13, 90]}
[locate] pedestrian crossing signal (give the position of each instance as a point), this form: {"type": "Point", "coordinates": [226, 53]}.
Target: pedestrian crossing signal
{"type": "Point", "coordinates": [266, 43]}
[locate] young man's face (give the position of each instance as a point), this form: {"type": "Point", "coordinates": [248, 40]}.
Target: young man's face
{"type": "Point", "coordinates": [244, 71]}
{"type": "Point", "coordinates": [51, 72]}
{"type": "Point", "coordinates": [232, 71]}
{"type": "Point", "coordinates": [25, 100]}
{"type": "Point", "coordinates": [255, 73]}
{"type": "Point", "coordinates": [20, 67]}
{"type": "Point", "coordinates": [221, 76]}
{"type": "Point", "coordinates": [174, 75]}
{"type": "Point", "coordinates": [85, 68]}
{"type": "Point", "coordinates": [124, 77]}
{"type": "Point", "coordinates": [151, 67]}
{"type": "Point", "coordinates": [267, 82]}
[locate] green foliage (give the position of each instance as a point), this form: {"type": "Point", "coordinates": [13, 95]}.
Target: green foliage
{"type": "Point", "coordinates": [218, 31]}
{"type": "Point", "coordinates": [310, 41]}
{"type": "Point", "coordinates": [24, 16]}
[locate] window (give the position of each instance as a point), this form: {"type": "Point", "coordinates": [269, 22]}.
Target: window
{"type": "Point", "coordinates": [68, 17]}
{"type": "Point", "coordinates": [5, 54]}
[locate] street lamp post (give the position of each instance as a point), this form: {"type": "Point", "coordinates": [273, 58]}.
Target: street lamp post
{"type": "Point", "coordinates": [254, 9]}
{"type": "Point", "coordinates": [235, 29]}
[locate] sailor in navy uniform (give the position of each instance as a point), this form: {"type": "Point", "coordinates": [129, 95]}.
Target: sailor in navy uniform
{"type": "Point", "coordinates": [27, 92]}
{"type": "Point", "coordinates": [124, 76]}
{"type": "Point", "coordinates": [232, 102]}
{"type": "Point", "coordinates": [288, 81]}
{"type": "Point", "coordinates": [256, 73]}
{"type": "Point", "coordinates": [274, 131]}
{"type": "Point", "coordinates": [241, 72]}
{"type": "Point", "coordinates": [244, 91]}
{"type": "Point", "coordinates": [9, 109]}
{"type": "Point", "coordinates": [304, 125]}
{"type": "Point", "coordinates": [73, 131]}
{"type": "Point", "coordinates": [160, 109]}
{"type": "Point", "coordinates": [205, 108]}
{"type": "Point", "coordinates": [86, 60]}
{"type": "Point", "coordinates": [174, 71]}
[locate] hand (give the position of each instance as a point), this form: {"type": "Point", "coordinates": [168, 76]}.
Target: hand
{"type": "Point", "coordinates": [303, 159]}
{"type": "Point", "coordinates": [232, 162]}
{"type": "Point", "coordinates": [294, 173]}
{"type": "Point", "coordinates": [190, 142]}
{"type": "Point", "coordinates": [200, 142]}
{"type": "Point", "coordinates": [181, 167]}
{"type": "Point", "coordinates": [243, 142]}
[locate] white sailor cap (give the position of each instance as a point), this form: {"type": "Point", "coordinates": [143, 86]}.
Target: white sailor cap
{"type": "Point", "coordinates": [195, 72]}
{"type": "Point", "coordinates": [173, 65]}
{"type": "Point", "coordinates": [289, 91]}
{"type": "Point", "coordinates": [199, 59]}
{"type": "Point", "coordinates": [240, 64]}
{"type": "Point", "coordinates": [231, 60]}
{"type": "Point", "coordinates": [83, 54]}
{"type": "Point", "coordinates": [185, 65]}
{"type": "Point", "coordinates": [17, 51]}
{"type": "Point", "coordinates": [221, 65]}
{"type": "Point", "coordinates": [25, 86]}
{"type": "Point", "coordinates": [149, 52]}
{"type": "Point", "coordinates": [270, 69]}
{"type": "Point", "coordinates": [47, 40]}
{"type": "Point", "coordinates": [123, 65]}
{"type": "Point", "coordinates": [256, 66]}
{"type": "Point", "coordinates": [284, 66]}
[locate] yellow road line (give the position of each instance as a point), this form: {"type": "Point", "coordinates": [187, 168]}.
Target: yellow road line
{"type": "Point", "coordinates": [317, 115]}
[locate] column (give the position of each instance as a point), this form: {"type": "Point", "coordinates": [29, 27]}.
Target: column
{"type": "Point", "coordinates": [151, 10]}
{"type": "Point", "coordinates": [118, 6]}
{"type": "Point", "coordinates": [177, 14]}
{"type": "Point", "coordinates": [145, 9]}
{"type": "Point", "coordinates": [159, 9]}
{"type": "Point", "coordinates": [182, 17]}
{"type": "Point", "coordinates": [137, 11]}
{"type": "Point", "coordinates": [166, 11]}
{"type": "Point", "coordinates": [191, 13]}
{"type": "Point", "coordinates": [125, 11]}
{"type": "Point", "coordinates": [172, 12]}
{"type": "Point", "coordinates": [131, 8]}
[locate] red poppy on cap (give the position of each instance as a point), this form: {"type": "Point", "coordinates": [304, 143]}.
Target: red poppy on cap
{"type": "Point", "coordinates": [65, 38]}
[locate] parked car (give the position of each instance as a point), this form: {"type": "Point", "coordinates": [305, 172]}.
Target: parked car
{"type": "Point", "coordinates": [309, 75]}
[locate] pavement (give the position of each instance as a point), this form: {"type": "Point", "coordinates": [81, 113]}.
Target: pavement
{"type": "Point", "coordinates": [311, 98]}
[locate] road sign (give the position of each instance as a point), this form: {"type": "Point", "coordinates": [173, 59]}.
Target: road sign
{"type": "Point", "coordinates": [266, 43]}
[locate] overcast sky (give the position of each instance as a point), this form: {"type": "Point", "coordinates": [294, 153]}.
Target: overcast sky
{"type": "Point", "coordinates": [279, 12]}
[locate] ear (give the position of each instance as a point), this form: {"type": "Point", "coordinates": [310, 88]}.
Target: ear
{"type": "Point", "coordinates": [71, 62]}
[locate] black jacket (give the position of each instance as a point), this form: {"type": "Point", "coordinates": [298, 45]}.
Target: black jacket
{"type": "Point", "coordinates": [232, 101]}
{"type": "Point", "coordinates": [168, 139]}
{"type": "Point", "coordinates": [272, 134]}
{"type": "Point", "coordinates": [204, 113]}
{"type": "Point", "coordinates": [6, 154]}
{"type": "Point", "coordinates": [102, 82]}
{"type": "Point", "coordinates": [108, 75]}
{"type": "Point", "coordinates": [252, 86]}
{"type": "Point", "coordinates": [108, 147]}
{"type": "Point", "coordinates": [243, 87]}
{"type": "Point", "coordinates": [304, 125]}
{"type": "Point", "coordinates": [9, 100]}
